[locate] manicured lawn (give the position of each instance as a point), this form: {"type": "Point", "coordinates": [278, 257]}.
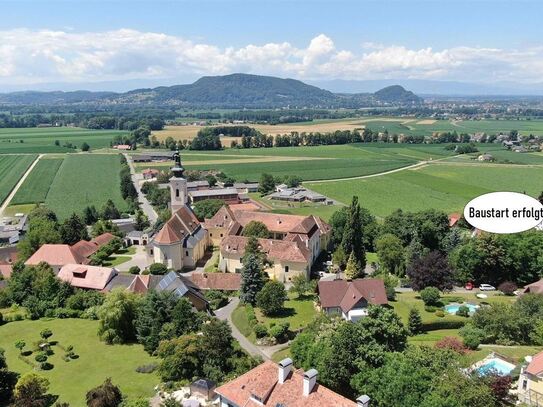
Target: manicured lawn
{"type": "Point", "coordinates": [280, 355]}
{"type": "Point", "coordinates": [122, 256]}
{"type": "Point", "coordinates": [97, 361]}
{"type": "Point", "coordinates": [85, 179]}
{"type": "Point", "coordinates": [431, 337]}
{"type": "Point", "coordinates": [12, 168]}
{"type": "Point", "coordinates": [298, 312]}
{"type": "Point", "coordinates": [446, 187]}
{"type": "Point", "coordinates": [239, 318]}
{"type": "Point", "coordinates": [38, 182]}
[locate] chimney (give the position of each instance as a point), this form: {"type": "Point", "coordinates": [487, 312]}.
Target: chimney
{"type": "Point", "coordinates": [285, 367]}
{"type": "Point", "coordinates": [363, 401]}
{"type": "Point", "coordinates": [310, 380]}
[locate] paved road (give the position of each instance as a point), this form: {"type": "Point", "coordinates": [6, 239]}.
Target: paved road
{"type": "Point", "coordinates": [18, 185]}
{"type": "Point", "coordinates": [225, 314]}
{"type": "Point", "coordinates": [145, 206]}
{"type": "Point", "coordinates": [139, 259]}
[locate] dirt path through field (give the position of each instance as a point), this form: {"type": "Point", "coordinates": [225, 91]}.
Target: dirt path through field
{"type": "Point", "coordinates": [6, 202]}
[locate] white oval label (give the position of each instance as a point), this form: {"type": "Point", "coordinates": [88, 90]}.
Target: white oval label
{"type": "Point", "coordinates": [504, 212]}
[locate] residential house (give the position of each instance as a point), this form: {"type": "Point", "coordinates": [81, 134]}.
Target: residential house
{"type": "Point", "coordinates": [350, 299]}
{"type": "Point", "coordinates": [274, 385]}
{"type": "Point", "coordinates": [181, 286]}
{"type": "Point", "coordinates": [534, 288]}
{"type": "Point", "coordinates": [87, 277]}
{"type": "Point", "coordinates": [150, 173]}
{"type": "Point", "coordinates": [57, 256]}
{"type": "Point", "coordinates": [530, 382]}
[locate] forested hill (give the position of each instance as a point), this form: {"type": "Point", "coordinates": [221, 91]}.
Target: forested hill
{"type": "Point", "coordinates": [229, 91]}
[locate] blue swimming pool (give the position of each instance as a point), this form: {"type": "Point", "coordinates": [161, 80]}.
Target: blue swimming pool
{"type": "Point", "coordinates": [453, 308]}
{"type": "Point", "coordinates": [497, 365]}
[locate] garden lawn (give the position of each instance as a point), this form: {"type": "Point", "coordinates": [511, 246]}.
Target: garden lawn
{"type": "Point", "coordinates": [122, 256]}
{"type": "Point", "coordinates": [239, 319]}
{"type": "Point", "coordinates": [12, 168]}
{"type": "Point", "coordinates": [446, 187]}
{"type": "Point", "coordinates": [298, 312]}
{"type": "Point", "coordinates": [85, 179]}
{"type": "Point", "coordinates": [35, 187]}
{"type": "Point", "coordinates": [97, 361]}
{"type": "Point", "coordinates": [281, 354]}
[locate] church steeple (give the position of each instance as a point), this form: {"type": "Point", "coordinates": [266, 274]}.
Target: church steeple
{"type": "Point", "coordinates": [178, 185]}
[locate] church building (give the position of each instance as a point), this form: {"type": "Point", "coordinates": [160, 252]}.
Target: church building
{"type": "Point", "coordinates": [182, 241]}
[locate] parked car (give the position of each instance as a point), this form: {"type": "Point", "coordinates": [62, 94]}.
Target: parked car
{"type": "Point", "coordinates": [469, 286]}
{"type": "Point", "coordinates": [487, 287]}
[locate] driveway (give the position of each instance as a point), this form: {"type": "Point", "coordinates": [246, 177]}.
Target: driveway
{"type": "Point", "coordinates": [145, 206]}
{"type": "Point", "coordinates": [139, 259]}
{"type": "Point", "coordinates": [225, 314]}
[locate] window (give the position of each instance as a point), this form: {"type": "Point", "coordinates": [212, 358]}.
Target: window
{"type": "Point", "coordinates": [221, 234]}
{"type": "Point", "coordinates": [177, 192]}
{"type": "Point", "coordinates": [186, 253]}
{"type": "Point", "coordinates": [286, 269]}
{"type": "Point", "coordinates": [524, 384]}
{"type": "Point", "coordinates": [211, 235]}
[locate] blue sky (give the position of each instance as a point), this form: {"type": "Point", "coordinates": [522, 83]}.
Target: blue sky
{"type": "Point", "coordinates": [97, 41]}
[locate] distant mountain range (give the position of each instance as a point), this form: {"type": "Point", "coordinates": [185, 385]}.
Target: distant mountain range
{"type": "Point", "coordinates": [229, 91]}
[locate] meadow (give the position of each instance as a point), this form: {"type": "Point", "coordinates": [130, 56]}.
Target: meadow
{"type": "Point", "coordinates": [12, 168]}
{"type": "Point", "coordinates": [97, 361]}
{"type": "Point", "coordinates": [42, 140]}
{"type": "Point", "coordinates": [85, 179]}
{"type": "Point", "coordinates": [442, 186]}
{"type": "Point", "coordinates": [36, 186]}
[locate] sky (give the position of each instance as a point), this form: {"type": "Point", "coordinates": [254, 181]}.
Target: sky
{"type": "Point", "coordinates": [115, 44]}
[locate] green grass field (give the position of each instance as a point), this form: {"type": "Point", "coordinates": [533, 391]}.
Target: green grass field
{"type": "Point", "coordinates": [97, 361]}
{"type": "Point", "coordinates": [12, 168]}
{"type": "Point", "coordinates": [85, 179]}
{"type": "Point", "coordinates": [38, 182]}
{"type": "Point", "coordinates": [42, 140]}
{"type": "Point", "coordinates": [446, 187]}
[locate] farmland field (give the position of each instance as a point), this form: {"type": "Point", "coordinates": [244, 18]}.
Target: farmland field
{"type": "Point", "coordinates": [42, 140]}
{"type": "Point", "coordinates": [12, 167]}
{"type": "Point", "coordinates": [97, 361]}
{"type": "Point", "coordinates": [309, 163]}
{"type": "Point", "coordinates": [446, 187]}
{"type": "Point", "coordinates": [37, 184]}
{"type": "Point", "coordinates": [85, 179]}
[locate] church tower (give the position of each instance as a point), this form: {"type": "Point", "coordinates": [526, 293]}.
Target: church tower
{"type": "Point", "coordinates": [178, 185]}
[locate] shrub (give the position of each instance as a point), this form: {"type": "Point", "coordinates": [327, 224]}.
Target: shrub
{"type": "Point", "coordinates": [472, 336]}
{"type": "Point", "coordinates": [46, 366]}
{"type": "Point", "coordinates": [463, 311]}
{"type": "Point", "coordinates": [507, 287]}
{"type": "Point", "coordinates": [260, 330]}
{"type": "Point", "coordinates": [134, 270]}
{"type": "Point", "coordinates": [158, 269]}
{"type": "Point", "coordinates": [442, 324]}
{"type": "Point", "coordinates": [431, 308]}
{"type": "Point", "coordinates": [439, 313]}
{"type": "Point", "coordinates": [430, 296]}
{"type": "Point", "coordinates": [40, 357]}
{"type": "Point", "coordinates": [1, 318]}
{"type": "Point", "coordinates": [251, 317]}
{"type": "Point", "coordinates": [280, 331]}
{"type": "Point", "coordinates": [452, 343]}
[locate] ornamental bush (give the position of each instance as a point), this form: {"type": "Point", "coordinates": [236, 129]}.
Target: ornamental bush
{"type": "Point", "coordinates": [430, 296]}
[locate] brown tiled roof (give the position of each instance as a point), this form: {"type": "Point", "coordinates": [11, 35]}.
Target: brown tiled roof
{"type": "Point", "coordinates": [56, 255]}
{"type": "Point", "coordinates": [346, 294]}
{"type": "Point", "coordinates": [103, 239]}
{"type": "Point", "coordinates": [294, 251]}
{"type": "Point", "coordinates": [534, 288]}
{"type": "Point", "coordinates": [140, 284]}
{"type": "Point", "coordinates": [249, 206]}
{"type": "Point", "coordinates": [182, 224]}
{"type": "Point", "coordinates": [84, 276]}
{"type": "Point", "coordinates": [535, 367]}
{"type": "Point", "coordinates": [216, 281]}
{"type": "Point", "coordinates": [262, 381]}
{"type": "Point", "coordinates": [85, 248]}
{"type": "Point", "coordinates": [224, 218]}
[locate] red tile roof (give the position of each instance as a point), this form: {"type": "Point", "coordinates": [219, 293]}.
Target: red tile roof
{"type": "Point", "coordinates": [534, 288]}
{"type": "Point", "coordinates": [275, 250]}
{"type": "Point", "coordinates": [535, 367]}
{"type": "Point", "coordinates": [453, 218]}
{"type": "Point", "coordinates": [216, 281]}
{"type": "Point", "coordinates": [103, 239]}
{"type": "Point", "coordinates": [56, 255]}
{"type": "Point", "coordinates": [346, 294]}
{"type": "Point", "coordinates": [182, 224]}
{"type": "Point", "coordinates": [85, 248]}
{"type": "Point", "coordinates": [277, 222]}
{"type": "Point", "coordinates": [84, 276]}
{"type": "Point", "coordinates": [140, 284]}
{"type": "Point", "coordinates": [6, 270]}
{"type": "Point", "coordinates": [262, 381]}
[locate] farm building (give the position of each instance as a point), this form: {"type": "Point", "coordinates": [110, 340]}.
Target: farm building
{"type": "Point", "coordinates": [197, 185]}
{"type": "Point", "coordinates": [86, 277]}
{"type": "Point", "coordinates": [297, 195]}
{"type": "Point", "coordinates": [229, 195]}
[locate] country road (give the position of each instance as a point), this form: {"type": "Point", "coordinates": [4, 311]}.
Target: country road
{"type": "Point", "coordinates": [6, 202]}
{"type": "Point", "coordinates": [146, 207]}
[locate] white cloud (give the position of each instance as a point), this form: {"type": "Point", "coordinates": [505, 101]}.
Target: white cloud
{"type": "Point", "coordinates": [28, 56]}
